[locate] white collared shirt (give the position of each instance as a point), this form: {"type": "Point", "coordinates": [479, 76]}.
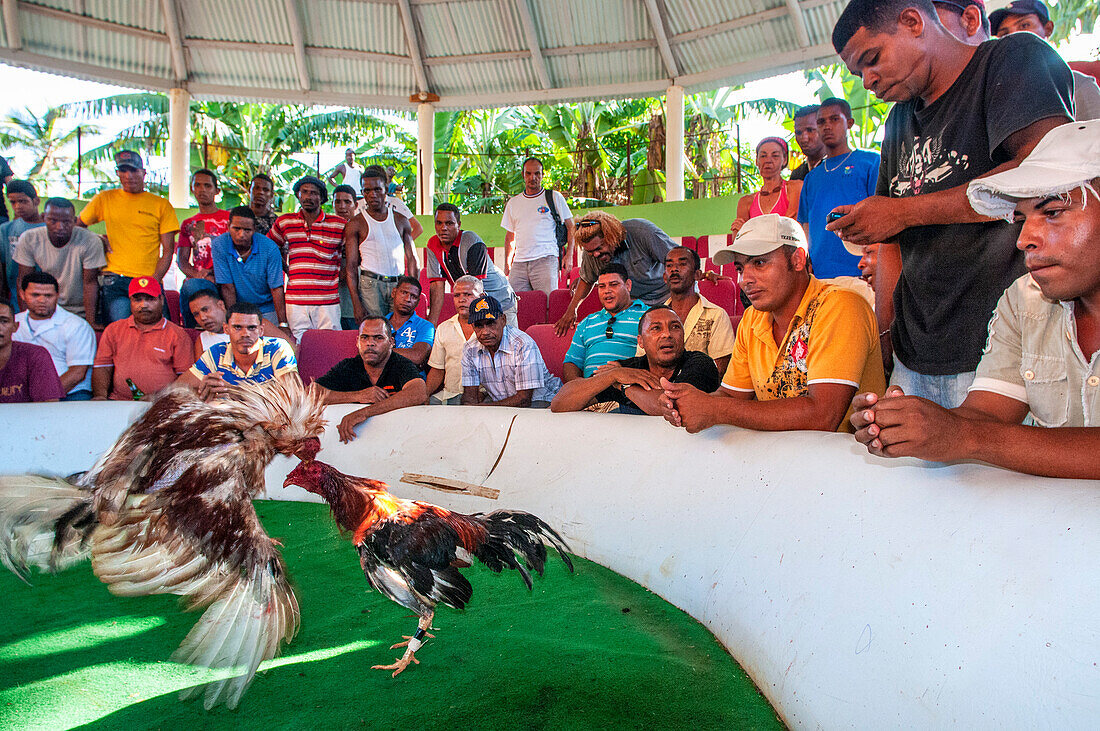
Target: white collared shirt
{"type": "Point", "coordinates": [68, 337]}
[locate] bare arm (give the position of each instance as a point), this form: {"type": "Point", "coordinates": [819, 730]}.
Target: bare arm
{"type": "Point", "coordinates": [338, 170]}
{"type": "Point", "coordinates": [183, 260]}
{"type": "Point", "coordinates": [279, 300]}
{"type": "Point", "coordinates": [418, 353]}
{"type": "Point", "coordinates": [434, 381]}
{"type": "Point", "coordinates": [229, 294]}
{"type": "Point", "coordinates": [570, 245]}
{"type": "Point", "coordinates": [73, 376]}
{"type": "Point", "coordinates": [90, 291]}
{"type": "Point", "coordinates": [413, 393]}
{"type": "Point", "coordinates": [102, 376]}
{"type": "Point", "coordinates": [167, 246]}
{"type": "Point", "coordinates": [471, 395]}
{"type": "Point", "coordinates": [351, 267]}
{"type": "Point", "coordinates": [520, 399]}
{"type": "Point", "coordinates": [822, 409]}
{"type": "Point", "coordinates": [412, 266]}
{"type": "Point", "coordinates": [722, 364]}
{"type": "Point", "coordinates": [569, 319]}
{"type": "Point", "coordinates": [879, 218]}
{"type": "Point", "coordinates": [794, 193]}
{"type": "Point", "coordinates": [887, 273]}
{"type": "Point", "coordinates": [743, 204]}
{"type": "Point", "coordinates": [416, 227]}
{"type": "Point", "coordinates": [570, 372]}
{"type": "Point", "coordinates": [509, 251]}
{"type": "Point", "coordinates": [435, 301]}
{"type": "Point", "coordinates": [578, 393]}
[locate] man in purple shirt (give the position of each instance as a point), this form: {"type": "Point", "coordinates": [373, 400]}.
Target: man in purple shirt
{"type": "Point", "coordinates": [26, 371]}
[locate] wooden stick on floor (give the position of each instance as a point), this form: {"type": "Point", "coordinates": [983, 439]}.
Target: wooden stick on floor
{"type": "Point", "coordinates": [444, 484]}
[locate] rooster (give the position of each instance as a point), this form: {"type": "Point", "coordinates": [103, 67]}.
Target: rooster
{"type": "Point", "coordinates": [168, 510]}
{"type": "Point", "coordinates": [412, 551]}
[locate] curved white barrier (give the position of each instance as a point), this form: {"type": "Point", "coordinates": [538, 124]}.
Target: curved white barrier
{"type": "Point", "coordinates": [855, 591]}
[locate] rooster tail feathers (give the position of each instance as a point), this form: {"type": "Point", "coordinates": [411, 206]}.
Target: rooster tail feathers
{"type": "Point", "coordinates": [237, 632]}
{"type": "Point", "coordinates": [45, 523]}
{"type": "Point", "coordinates": [513, 532]}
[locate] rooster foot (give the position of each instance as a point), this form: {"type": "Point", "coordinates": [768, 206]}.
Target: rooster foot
{"type": "Point", "coordinates": [401, 664]}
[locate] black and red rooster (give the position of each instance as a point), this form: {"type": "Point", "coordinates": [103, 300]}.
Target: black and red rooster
{"type": "Point", "coordinates": [412, 551]}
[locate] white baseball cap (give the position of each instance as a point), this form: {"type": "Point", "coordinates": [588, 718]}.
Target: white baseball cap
{"type": "Point", "coordinates": [763, 234]}
{"type": "Point", "coordinates": [1067, 157]}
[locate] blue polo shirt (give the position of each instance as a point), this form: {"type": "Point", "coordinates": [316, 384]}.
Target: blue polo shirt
{"type": "Point", "coordinates": [591, 347]}
{"type": "Point", "coordinates": [415, 330]}
{"type": "Point", "coordinates": [254, 277]}
{"type": "Point", "coordinates": [835, 182]}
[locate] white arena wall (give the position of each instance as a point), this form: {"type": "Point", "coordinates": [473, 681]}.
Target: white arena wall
{"type": "Point", "coordinates": [857, 592]}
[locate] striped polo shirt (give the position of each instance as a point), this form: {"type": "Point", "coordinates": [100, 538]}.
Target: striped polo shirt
{"type": "Point", "coordinates": [314, 253]}
{"type": "Point", "coordinates": [591, 347]}
{"type": "Point", "coordinates": [274, 357]}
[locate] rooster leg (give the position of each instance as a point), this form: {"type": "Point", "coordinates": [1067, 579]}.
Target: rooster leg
{"type": "Point", "coordinates": [411, 645]}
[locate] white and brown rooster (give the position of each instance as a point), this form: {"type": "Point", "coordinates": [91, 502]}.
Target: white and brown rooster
{"type": "Point", "coordinates": [168, 510]}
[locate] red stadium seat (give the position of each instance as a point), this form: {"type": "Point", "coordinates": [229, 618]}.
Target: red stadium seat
{"type": "Point", "coordinates": [173, 298]}
{"type": "Point", "coordinates": [193, 333]}
{"type": "Point", "coordinates": [559, 301]}
{"type": "Point", "coordinates": [422, 305]}
{"type": "Point", "coordinates": [532, 308]}
{"type": "Point", "coordinates": [320, 350]}
{"type": "Point", "coordinates": [690, 242]}
{"type": "Point", "coordinates": [724, 293]}
{"type": "Point", "coordinates": [448, 310]}
{"type": "Point", "coordinates": [551, 346]}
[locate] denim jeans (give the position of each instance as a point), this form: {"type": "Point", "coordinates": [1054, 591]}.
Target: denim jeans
{"type": "Point", "coordinates": [947, 391]}
{"type": "Point", "coordinates": [114, 297]}
{"type": "Point", "coordinates": [187, 290]}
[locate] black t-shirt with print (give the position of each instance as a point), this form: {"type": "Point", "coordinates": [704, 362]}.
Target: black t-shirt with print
{"type": "Point", "coordinates": [952, 275]}
{"type": "Point", "coordinates": [697, 369]}
{"type": "Point", "coordinates": [350, 375]}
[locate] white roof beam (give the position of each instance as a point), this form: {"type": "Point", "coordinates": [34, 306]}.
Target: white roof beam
{"type": "Point", "coordinates": [527, 20]}
{"type": "Point", "coordinates": [11, 24]}
{"type": "Point", "coordinates": [658, 23]}
{"type": "Point", "coordinates": [175, 40]}
{"type": "Point", "coordinates": [414, 46]}
{"type": "Point", "coordinates": [298, 38]}
{"type": "Point", "coordinates": [799, 22]}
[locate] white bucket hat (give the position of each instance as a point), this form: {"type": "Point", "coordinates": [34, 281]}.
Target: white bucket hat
{"type": "Point", "coordinates": [763, 234]}
{"type": "Point", "coordinates": [1068, 157]}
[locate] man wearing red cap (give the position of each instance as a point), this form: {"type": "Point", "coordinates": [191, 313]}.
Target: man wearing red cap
{"type": "Point", "coordinates": [142, 354]}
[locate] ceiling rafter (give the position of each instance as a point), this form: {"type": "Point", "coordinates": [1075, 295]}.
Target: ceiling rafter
{"type": "Point", "coordinates": [799, 22]}
{"type": "Point", "coordinates": [175, 40]}
{"type": "Point", "coordinates": [527, 20]}
{"type": "Point", "coordinates": [12, 28]}
{"type": "Point", "coordinates": [298, 38]}
{"type": "Point", "coordinates": [657, 21]}
{"type": "Point", "coordinates": [413, 39]}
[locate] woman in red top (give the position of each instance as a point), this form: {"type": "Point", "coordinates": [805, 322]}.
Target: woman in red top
{"type": "Point", "coordinates": [776, 195]}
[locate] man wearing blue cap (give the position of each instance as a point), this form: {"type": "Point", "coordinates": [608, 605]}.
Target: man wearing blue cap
{"type": "Point", "coordinates": [503, 361]}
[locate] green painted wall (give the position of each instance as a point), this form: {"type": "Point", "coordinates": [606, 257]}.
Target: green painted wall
{"type": "Point", "coordinates": [700, 217]}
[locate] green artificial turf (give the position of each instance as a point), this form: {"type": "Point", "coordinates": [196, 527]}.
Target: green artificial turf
{"type": "Point", "coordinates": [589, 650]}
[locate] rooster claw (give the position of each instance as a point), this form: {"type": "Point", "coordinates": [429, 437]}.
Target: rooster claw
{"type": "Point", "coordinates": [398, 666]}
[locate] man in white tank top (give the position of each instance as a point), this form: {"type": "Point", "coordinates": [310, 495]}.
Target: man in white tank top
{"type": "Point", "coordinates": [349, 172]}
{"type": "Point", "coordinates": [378, 246]}
{"type": "Point", "coordinates": [393, 201]}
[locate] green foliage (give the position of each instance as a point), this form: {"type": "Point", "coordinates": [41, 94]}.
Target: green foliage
{"type": "Point", "coordinates": [1073, 16]}
{"type": "Point", "coordinates": [46, 137]}
{"type": "Point", "coordinates": [868, 111]}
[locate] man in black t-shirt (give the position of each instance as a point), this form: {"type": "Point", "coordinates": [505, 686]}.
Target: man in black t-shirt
{"type": "Point", "coordinates": [378, 377]}
{"type": "Point", "coordinates": [962, 112]}
{"type": "Point", "coordinates": [635, 383]}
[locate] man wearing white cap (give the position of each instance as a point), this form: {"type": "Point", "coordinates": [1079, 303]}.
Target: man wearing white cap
{"type": "Point", "coordinates": [1040, 354]}
{"type": "Point", "coordinates": [803, 349]}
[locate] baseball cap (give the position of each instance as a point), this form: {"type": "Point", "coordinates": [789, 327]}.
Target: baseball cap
{"type": "Point", "coordinates": [128, 159]}
{"type": "Point", "coordinates": [1019, 7]}
{"type": "Point", "coordinates": [763, 234]}
{"type": "Point", "coordinates": [144, 285]}
{"type": "Point", "coordinates": [1067, 157]}
{"type": "Point", "coordinates": [485, 309]}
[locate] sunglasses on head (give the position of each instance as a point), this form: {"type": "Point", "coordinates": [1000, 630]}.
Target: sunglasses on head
{"type": "Point", "coordinates": [586, 224]}
{"type": "Point", "coordinates": [610, 331]}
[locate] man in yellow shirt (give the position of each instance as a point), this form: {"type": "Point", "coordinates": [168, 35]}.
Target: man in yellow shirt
{"type": "Point", "coordinates": [803, 349]}
{"type": "Point", "coordinates": [141, 233]}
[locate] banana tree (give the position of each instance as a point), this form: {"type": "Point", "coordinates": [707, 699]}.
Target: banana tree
{"type": "Point", "coordinates": [868, 110]}
{"type": "Point", "coordinates": [45, 137]}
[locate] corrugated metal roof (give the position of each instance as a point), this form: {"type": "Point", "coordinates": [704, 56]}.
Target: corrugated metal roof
{"type": "Point", "coordinates": [471, 52]}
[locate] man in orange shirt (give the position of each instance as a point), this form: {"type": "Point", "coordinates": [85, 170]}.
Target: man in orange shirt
{"type": "Point", "coordinates": [802, 350]}
{"type": "Point", "coordinates": [142, 354]}
{"type": "Point", "coordinates": [141, 234]}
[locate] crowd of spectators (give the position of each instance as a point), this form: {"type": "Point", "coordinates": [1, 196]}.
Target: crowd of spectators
{"type": "Point", "coordinates": [925, 299]}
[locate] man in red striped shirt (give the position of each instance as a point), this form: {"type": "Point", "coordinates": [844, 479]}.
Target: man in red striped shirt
{"type": "Point", "coordinates": [313, 241]}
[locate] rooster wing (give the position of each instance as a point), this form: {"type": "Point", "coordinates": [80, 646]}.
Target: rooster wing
{"type": "Point", "coordinates": [209, 547]}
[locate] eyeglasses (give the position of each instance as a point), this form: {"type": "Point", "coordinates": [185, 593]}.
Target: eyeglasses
{"type": "Point", "coordinates": [610, 331]}
{"type": "Point", "coordinates": [586, 224]}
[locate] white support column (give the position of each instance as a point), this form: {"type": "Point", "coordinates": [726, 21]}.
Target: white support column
{"type": "Point", "coordinates": [179, 146]}
{"type": "Point", "coordinates": [674, 143]}
{"type": "Point", "coordinates": [425, 158]}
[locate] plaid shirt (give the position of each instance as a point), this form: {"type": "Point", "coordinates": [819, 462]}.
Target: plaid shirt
{"type": "Point", "coordinates": [516, 366]}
